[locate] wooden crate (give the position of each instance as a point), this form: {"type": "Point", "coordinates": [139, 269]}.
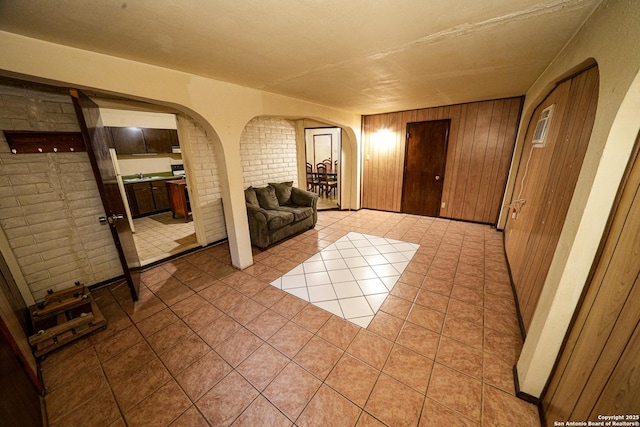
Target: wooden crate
{"type": "Point", "coordinates": [64, 316]}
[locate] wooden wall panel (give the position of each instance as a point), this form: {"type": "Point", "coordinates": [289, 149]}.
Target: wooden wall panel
{"type": "Point", "coordinates": [550, 175]}
{"type": "Point", "coordinates": [481, 141]}
{"type": "Point", "coordinates": [598, 369]}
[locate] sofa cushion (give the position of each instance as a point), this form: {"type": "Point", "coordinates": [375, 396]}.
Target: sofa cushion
{"type": "Point", "coordinates": [283, 191]}
{"type": "Point", "coordinates": [267, 197]}
{"type": "Point", "coordinates": [299, 212]}
{"type": "Point", "coordinates": [250, 196]}
{"type": "Point", "coordinates": [277, 219]}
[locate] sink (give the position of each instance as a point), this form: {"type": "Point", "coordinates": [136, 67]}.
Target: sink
{"type": "Point", "coordinates": [143, 179]}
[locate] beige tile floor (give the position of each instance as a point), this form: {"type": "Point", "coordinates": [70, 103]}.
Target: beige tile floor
{"type": "Point", "coordinates": [326, 203]}
{"type": "Point", "coordinates": [211, 345]}
{"type": "Point", "coordinates": [161, 236]}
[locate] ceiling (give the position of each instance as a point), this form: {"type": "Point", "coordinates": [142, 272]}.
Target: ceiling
{"type": "Point", "coordinates": [364, 56]}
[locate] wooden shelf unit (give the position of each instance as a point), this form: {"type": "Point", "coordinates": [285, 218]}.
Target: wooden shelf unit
{"type": "Point", "coordinates": [64, 316]}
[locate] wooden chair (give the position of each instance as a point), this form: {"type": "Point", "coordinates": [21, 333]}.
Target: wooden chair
{"type": "Point", "coordinates": [327, 164]}
{"type": "Point", "coordinates": [323, 179]}
{"type": "Point", "coordinates": [332, 184]}
{"type": "Point", "coordinates": [312, 182]}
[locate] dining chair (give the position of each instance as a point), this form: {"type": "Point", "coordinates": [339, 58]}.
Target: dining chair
{"type": "Point", "coordinates": [312, 181]}
{"type": "Point", "coordinates": [323, 179]}
{"type": "Point", "coordinates": [327, 164]}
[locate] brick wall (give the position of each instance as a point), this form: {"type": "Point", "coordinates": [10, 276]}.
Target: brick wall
{"type": "Point", "coordinates": [49, 203]}
{"type": "Point", "coordinates": [209, 194]}
{"type": "Point", "coordinates": [268, 152]}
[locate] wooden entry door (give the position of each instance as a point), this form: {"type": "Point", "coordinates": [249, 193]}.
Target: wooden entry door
{"type": "Point", "coordinates": [97, 142]}
{"type": "Point", "coordinates": [424, 163]}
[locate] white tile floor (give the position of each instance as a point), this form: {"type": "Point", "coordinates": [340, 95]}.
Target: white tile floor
{"type": "Point", "coordinates": [352, 277]}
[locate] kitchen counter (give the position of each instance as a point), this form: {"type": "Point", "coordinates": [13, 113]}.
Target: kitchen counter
{"type": "Point", "coordinates": [160, 176]}
{"type": "Point", "coordinates": [148, 195]}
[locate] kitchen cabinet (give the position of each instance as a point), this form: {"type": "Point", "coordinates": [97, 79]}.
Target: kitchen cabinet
{"type": "Point", "coordinates": [131, 140]}
{"type": "Point", "coordinates": [160, 196]}
{"type": "Point", "coordinates": [128, 140]}
{"type": "Point", "coordinates": [157, 140]}
{"type": "Point", "coordinates": [147, 197]}
{"type": "Point", "coordinates": [179, 198]}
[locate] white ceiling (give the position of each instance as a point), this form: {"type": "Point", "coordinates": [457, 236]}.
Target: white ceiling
{"type": "Point", "coordinates": [365, 56]}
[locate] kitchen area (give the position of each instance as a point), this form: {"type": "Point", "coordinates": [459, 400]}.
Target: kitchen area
{"type": "Point", "coordinates": [147, 158]}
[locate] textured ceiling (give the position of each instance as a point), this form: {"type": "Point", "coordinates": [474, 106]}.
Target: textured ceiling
{"type": "Point", "coordinates": [365, 56]}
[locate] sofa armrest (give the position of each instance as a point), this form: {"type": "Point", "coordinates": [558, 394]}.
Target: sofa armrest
{"type": "Point", "coordinates": [301, 197]}
{"type": "Point", "coordinates": [257, 212]}
{"type": "Point", "coordinates": [258, 230]}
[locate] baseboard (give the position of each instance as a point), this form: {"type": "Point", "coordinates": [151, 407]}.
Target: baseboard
{"type": "Point", "coordinates": [523, 331]}
{"type": "Point", "coordinates": [527, 397]}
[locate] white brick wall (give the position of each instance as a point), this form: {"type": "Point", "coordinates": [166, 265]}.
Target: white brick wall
{"type": "Point", "coordinates": [208, 181]}
{"type": "Point", "coordinates": [49, 203]}
{"type": "Point", "coordinates": [268, 152]}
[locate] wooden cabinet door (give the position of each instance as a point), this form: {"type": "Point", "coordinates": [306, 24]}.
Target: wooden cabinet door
{"type": "Point", "coordinates": [144, 198]}
{"type": "Point", "coordinates": [157, 140]}
{"type": "Point", "coordinates": [174, 138]}
{"type": "Point", "coordinates": [128, 140]}
{"type": "Point", "coordinates": [131, 198]}
{"type": "Point", "coordinates": [160, 196]}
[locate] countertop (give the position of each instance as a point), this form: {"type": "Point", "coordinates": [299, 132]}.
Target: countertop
{"type": "Point", "coordinates": [159, 176]}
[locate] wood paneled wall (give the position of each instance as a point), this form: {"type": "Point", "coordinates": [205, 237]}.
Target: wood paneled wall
{"type": "Point", "coordinates": [481, 141]}
{"type": "Point", "coordinates": [598, 372]}
{"type": "Point", "coordinates": [550, 175]}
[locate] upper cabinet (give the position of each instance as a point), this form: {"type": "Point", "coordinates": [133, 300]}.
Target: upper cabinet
{"type": "Point", "coordinates": [157, 140]}
{"type": "Point", "coordinates": [128, 140]}
{"type": "Point", "coordinates": [131, 140]}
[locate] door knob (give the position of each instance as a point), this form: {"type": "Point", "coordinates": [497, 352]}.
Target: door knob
{"type": "Point", "coordinates": [110, 219]}
{"type": "Point", "coordinates": [437, 177]}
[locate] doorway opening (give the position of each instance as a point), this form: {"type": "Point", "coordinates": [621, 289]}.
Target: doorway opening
{"type": "Point", "coordinates": [323, 147]}
{"type": "Point", "coordinates": [151, 175]}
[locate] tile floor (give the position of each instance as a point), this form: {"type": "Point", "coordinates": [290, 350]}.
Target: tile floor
{"type": "Point", "coordinates": [325, 203]}
{"type": "Point", "coordinates": [161, 236]}
{"type": "Point", "coordinates": [352, 277]}
{"type": "Point", "coordinates": [211, 345]}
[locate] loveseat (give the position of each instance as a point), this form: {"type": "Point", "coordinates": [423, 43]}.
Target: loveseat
{"type": "Point", "coordinates": [278, 211]}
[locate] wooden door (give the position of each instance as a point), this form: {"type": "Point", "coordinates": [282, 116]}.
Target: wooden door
{"type": "Point", "coordinates": [424, 167]}
{"type": "Point", "coordinates": [19, 400]}
{"type": "Point", "coordinates": [20, 387]}
{"type": "Point", "coordinates": [96, 139]}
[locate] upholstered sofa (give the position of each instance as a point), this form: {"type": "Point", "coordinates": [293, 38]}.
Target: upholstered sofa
{"type": "Point", "coordinates": [278, 211]}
